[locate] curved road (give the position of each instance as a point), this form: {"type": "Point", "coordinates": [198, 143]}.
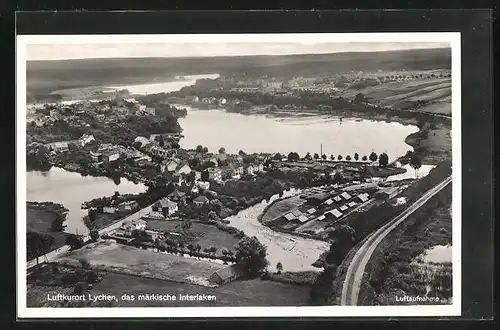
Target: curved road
{"type": "Point", "coordinates": [352, 282]}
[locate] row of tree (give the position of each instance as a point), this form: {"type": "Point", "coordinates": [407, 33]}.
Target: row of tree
{"type": "Point", "coordinates": [294, 156]}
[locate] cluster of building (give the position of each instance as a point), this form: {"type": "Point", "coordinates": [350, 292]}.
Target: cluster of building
{"type": "Point", "coordinates": [108, 153]}
{"type": "Point", "coordinates": [322, 206]}
{"type": "Point", "coordinates": [63, 146]}
{"type": "Point", "coordinates": [77, 114]}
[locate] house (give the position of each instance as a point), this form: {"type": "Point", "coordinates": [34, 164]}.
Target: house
{"type": "Point", "coordinates": [154, 216]}
{"type": "Point", "coordinates": [289, 216]}
{"type": "Point", "coordinates": [127, 206]}
{"type": "Point", "coordinates": [197, 176]}
{"type": "Point", "coordinates": [328, 202]}
{"type": "Point", "coordinates": [59, 146]}
{"type": "Point", "coordinates": [303, 218]}
{"type": "Point", "coordinates": [337, 199]}
{"type": "Point", "coordinates": [363, 197]}
{"type": "Point", "coordinates": [343, 208]}
{"type": "Point", "coordinates": [228, 274]}
{"type": "Point", "coordinates": [195, 189]}
{"type": "Point", "coordinates": [215, 174]}
{"type": "Point", "coordinates": [203, 185]}
{"type": "Point", "coordinates": [237, 169]}
{"type": "Point", "coordinates": [105, 147]}
{"type": "Point", "coordinates": [200, 200]}
{"type": "Point", "coordinates": [131, 225]}
{"type": "Point", "coordinates": [352, 204]}
{"type": "Point", "coordinates": [222, 101]}
{"type": "Point", "coordinates": [386, 193]}
{"type": "Point", "coordinates": [183, 169]}
{"type": "Point", "coordinates": [259, 168]}
{"type": "Point", "coordinates": [249, 169]}
{"type": "Point", "coordinates": [110, 156]}
{"type": "Point", "coordinates": [109, 209]}
{"type": "Point", "coordinates": [311, 211]}
{"type": "Point", "coordinates": [170, 165]}
{"type": "Point", "coordinates": [177, 179]}
{"type": "Point", "coordinates": [131, 152]}
{"type": "Point", "coordinates": [346, 196]}
{"type": "Point", "coordinates": [85, 139]}
{"type": "Point", "coordinates": [158, 151]}
{"type": "Point", "coordinates": [142, 140]}
{"type": "Point", "coordinates": [165, 206]}
{"type": "Point", "coordinates": [321, 217]}
{"type": "Point", "coordinates": [177, 196]}
{"type": "Point", "coordinates": [334, 213]}
{"type": "Point", "coordinates": [96, 156]}
{"type": "Point", "coordinates": [149, 111]}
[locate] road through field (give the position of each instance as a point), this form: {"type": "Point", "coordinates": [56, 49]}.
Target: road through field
{"type": "Point", "coordinates": [115, 225]}
{"type": "Point", "coordinates": [356, 270]}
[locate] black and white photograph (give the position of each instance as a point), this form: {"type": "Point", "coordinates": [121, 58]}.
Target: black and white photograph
{"type": "Point", "coordinates": [314, 173]}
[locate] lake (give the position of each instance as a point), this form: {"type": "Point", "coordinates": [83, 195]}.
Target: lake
{"type": "Point", "coordinates": [437, 254]}
{"type": "Point", "coordinates": [410, 172]}
{"type": "Point", "coordinates": [165, 87]}
{"type": "Point", "coordinates": [72, 189]}
{"type": "Point", "coordinates": [259, 133]}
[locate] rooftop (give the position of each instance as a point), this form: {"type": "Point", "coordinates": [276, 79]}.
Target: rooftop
{"type": "Point", "coordinates": [336, 213]}
{"type": "Point", "coordinates": [164, 202]}
{"type": "Point", "coordinates": [311, 211]}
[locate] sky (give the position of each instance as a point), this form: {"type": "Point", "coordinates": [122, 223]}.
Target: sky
{"type": "Point", "coordinates": [41, 52]}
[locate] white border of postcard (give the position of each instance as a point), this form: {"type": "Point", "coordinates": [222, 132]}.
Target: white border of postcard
{"type": "Point", "coordinates": [453, 38]}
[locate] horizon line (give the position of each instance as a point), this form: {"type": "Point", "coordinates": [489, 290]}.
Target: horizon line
{"type": "Point", "coordinates": [248, 55]}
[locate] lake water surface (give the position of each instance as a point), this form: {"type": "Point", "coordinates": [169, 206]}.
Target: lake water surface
{"type": "Point", "coordinates": [72, 189]}
{"type": "Point", "coordinates": [258, 133]}
{"type": "Point", "coordinates": [165, 87]}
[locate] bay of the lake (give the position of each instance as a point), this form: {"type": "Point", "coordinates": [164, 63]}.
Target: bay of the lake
{"type": "Point", "coordinates": [72, 189]}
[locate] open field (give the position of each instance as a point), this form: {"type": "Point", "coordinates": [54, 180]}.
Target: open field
{"type": "Point", "coordinates": [102, 220]}
{"type": "Point", "coordinates": [434, 144]}
{"type": "Point", "coordinates": [254, 292]}
{"type": "Point", "coordinates": [36, 295]}
{"type": "Point", "coordinates": [111, 256]}
{"type": "Point", "coordinates": [400, 94]}
{"type": "Point", "coordinates": [40, 221]}
{"type": "Point", "coordinates": [199, 233]}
